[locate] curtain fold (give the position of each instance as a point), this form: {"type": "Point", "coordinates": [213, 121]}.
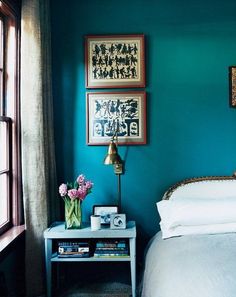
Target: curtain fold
{"type": "Point", "coordinates": [38, 158]}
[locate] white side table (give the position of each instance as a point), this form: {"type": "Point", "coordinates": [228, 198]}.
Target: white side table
{"type": "Point", "coordinates": [58, 231]}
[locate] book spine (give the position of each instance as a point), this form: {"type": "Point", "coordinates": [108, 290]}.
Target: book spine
{"type": "Point", "coordinates": [75, 255]}
{"type": "Point", "coordinates": [110, 255]}
{"type": "Point", "coordinates": [114, 242]}
{"type": "Point", "coordinates": [111, 245]}
{"type": "Point", "coordinates": [72, 244]}
{"type": "Point", "coordinates": [73, 249]}
{"type": "Point", "coordinates": [111, 248]}
{"type": "Point", "coordinates": [108, 252]}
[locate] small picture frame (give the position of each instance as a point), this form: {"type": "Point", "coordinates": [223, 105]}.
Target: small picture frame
{"type": "Point", "coordinates": [118, 221]}
{"type": "Point", "coordinates": [124, 112]}
{"type": "Point", "coordinates": [232, 86]}
{"type": "Point", "coordinates": [105, 211]}
{"type": "Point", "coordinates": [115, 61]}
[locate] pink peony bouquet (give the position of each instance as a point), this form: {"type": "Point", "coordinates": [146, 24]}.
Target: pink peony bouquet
{"type": "Point", "coordinates": [77, 190]}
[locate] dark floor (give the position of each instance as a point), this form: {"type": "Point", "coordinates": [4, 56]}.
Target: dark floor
{"type": "Point", "coordinates": [108, 279]}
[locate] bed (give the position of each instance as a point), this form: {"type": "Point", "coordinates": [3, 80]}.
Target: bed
{"type": "Point", "coordinates": [194, 254]}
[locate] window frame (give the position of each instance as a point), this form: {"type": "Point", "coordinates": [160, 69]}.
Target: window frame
{"type": "Point", "coordinates": [7, 171]}
{"type": "Point", "coordinates": [10, 14]}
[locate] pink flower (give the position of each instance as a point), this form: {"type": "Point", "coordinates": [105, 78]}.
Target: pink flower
{"type": "Point", "coordinates": [82, 192]}
{"type": "Point", "coordinates": [63, 190]}
{"type": "Point", "coordinates": [77, 190]}
{"type": "Point", "coordinates": [80, 179]}
{"type": "Point", "coordinates": [88, 185]}
{"type": "Point", "coordinates": [73, 194]}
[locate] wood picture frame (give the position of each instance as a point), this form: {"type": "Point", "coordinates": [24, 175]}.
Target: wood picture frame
{"type": "Point", "coordinates": [105, 211]}
{"type": "Point", "coordinates": [121, 112]}
{"type": "Point", "coordinates": [115, 61]}
{"type": "Point", "coordinates": [232, 86]}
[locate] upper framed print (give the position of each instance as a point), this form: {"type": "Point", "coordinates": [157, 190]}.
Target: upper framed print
{"type": "Point", "coordinates": [115, 61]}
{"type": "Point", "coordinates": [232, 86]}
{"type": "Point", "coordinates": [123, 113]}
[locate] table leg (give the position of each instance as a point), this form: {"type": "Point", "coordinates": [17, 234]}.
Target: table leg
{"type": "Point", "coordinates": [48, 263]}
{"type": "Point", "coordinates": [132, 246]}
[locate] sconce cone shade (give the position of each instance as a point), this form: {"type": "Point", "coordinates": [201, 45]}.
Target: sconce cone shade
{"type": "Point", "coordinates": [112, 156]}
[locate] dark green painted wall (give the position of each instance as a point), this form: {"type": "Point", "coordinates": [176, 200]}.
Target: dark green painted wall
{"type": "Point", "coordinates": [191, 129]}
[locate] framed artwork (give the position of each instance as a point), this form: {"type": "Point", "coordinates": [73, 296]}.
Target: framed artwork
{"type": "Point", "coordinates": [115, 61]}
{"type": "Point", "coordinates": [121, 112]}
{"type": "Point", "coordinates": [118, 221]}
{"type": "Point", "coordinates": [105, 212]}
{"type": "Point", "coordinates": [232, 86]}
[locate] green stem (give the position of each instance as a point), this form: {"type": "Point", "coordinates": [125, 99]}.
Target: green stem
{"type": "Point", "coordinates": [72, 208]}
{"type": "Point", "coordinates": [73, 213]}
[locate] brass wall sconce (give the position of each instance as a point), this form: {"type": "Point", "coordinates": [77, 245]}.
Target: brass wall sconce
{"type": "Point", "coordinates": [113, 158]}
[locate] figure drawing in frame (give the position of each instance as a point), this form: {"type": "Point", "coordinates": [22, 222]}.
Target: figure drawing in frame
{"type": "Point", "coordinates": [114, 61]}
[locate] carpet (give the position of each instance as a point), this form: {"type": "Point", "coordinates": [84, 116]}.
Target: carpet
{"type": "Point", "coordinates": [98, 295]}
{"type": "Point", "coordinates": [113, 289]}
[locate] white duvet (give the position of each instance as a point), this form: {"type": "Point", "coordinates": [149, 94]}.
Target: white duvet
{"type": "Point", "coordinates": [191, 266]}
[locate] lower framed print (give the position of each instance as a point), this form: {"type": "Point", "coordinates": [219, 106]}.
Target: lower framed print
{"type": "Point", "coordinates": [121, 113]}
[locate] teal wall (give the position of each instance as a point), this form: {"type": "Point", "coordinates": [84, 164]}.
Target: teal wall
{"type": "Point", "coordinates": [12, 269]}
{"type": "Point", "coordinates": [190, 126]}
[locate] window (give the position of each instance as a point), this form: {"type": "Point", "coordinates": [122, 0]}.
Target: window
{"type": "Point", "coordinates": [10, 214]}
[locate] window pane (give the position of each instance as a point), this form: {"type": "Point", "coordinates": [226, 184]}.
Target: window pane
{"type": "Point", "coordinates": [1, 67]}
{"type": "Point", "coordinates": [1, 93]}
{"type": "Point", "coordinates": [10, 71]}
{"type": "Point", "coordinates": [3, 146]}
{"type": "Point", "coordinates": [4, 217]}
{"type": "Point", "coordinates": [10, 179]}
{"type": "Point", "coordinates": [1, 43]}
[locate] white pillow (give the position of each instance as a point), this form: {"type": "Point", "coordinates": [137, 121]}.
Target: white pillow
{"type": "Point", "coordinates": [196, 212]}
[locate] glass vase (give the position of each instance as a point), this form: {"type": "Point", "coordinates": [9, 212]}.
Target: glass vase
{"type": "Point", "coordinates": [73, 214]}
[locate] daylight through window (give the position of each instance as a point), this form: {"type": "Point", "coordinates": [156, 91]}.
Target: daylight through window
{"type": "Point", "coordinates": [9, 118]}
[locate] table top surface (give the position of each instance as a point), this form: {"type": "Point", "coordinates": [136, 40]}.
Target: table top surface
{"type": "Point", "coordinates": [57, 230]}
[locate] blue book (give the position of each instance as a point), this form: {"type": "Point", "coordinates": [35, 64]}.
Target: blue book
{"type": "Point", "coordinates": [110, 252]}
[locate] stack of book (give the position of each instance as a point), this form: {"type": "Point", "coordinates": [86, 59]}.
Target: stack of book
{"type": "Point", "coordinates": [111, 248]}
{"type": "Point", "coordinates": [73, 249]}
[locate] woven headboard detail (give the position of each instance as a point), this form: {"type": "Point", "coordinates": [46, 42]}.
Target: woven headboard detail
{"type": "Point", "coordinates": [185, 182]}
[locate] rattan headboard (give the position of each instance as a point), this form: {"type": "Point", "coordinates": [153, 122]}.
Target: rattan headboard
{"type": "Point", "coordinates": [182, 183]}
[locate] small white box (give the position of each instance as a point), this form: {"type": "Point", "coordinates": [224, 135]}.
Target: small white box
{"type": "Point", "coordinates": [95, 222]}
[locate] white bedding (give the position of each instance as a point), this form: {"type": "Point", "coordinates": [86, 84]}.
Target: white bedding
{"type": "Point", "coordinates": [191, 266]}
{"type": "Point", "coordinates": [197, 216]}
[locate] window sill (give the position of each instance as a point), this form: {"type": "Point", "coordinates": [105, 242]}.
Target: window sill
{"type": "Point", "coordinates": [9, 236]}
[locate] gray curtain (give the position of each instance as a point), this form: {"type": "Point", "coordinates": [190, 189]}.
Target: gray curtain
{"type": "Point", "coordinates": [38, 158]}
